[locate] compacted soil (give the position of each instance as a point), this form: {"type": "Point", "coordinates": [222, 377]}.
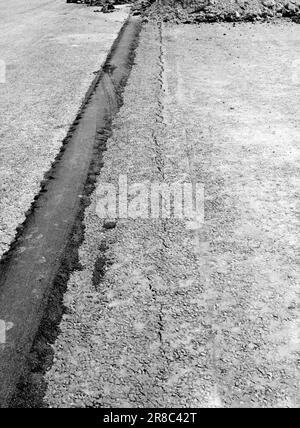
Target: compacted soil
{"type": "Point", "coordinates": [180, 312]}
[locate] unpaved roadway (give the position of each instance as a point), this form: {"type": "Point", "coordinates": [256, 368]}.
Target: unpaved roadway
{"type": "Point", "coordinates": [177, 312]}
{"type": "Point", "coordinates": [51, 50]}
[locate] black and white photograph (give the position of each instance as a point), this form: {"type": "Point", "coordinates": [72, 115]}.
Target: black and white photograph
{"type": "Point", "coordinates": [149, 207]}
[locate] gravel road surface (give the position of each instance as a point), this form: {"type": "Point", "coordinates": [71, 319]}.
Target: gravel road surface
{"type": "Point", "coordinates": [51, 50]}
{"type": "Point", "coordinates": [172, 312]}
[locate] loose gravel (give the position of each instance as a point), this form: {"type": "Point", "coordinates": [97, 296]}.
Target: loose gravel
{"type": "Point", "coordinates": [197, 11]}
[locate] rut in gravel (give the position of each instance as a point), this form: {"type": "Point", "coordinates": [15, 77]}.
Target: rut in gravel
{"type": "Point", "coordinates": [35, 271]}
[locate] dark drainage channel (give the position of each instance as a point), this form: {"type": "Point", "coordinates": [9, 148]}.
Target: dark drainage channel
{"type": "Point", "coordinates": [35, 271]}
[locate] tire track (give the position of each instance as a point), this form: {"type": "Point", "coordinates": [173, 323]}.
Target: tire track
{"type": "Point", "coordinates": [46, 247]}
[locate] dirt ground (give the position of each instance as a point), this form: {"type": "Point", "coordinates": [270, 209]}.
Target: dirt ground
{"type": "Point", "coordinates": [176, 312]}
{"type": "Point", "coordinates": [195, 11]}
